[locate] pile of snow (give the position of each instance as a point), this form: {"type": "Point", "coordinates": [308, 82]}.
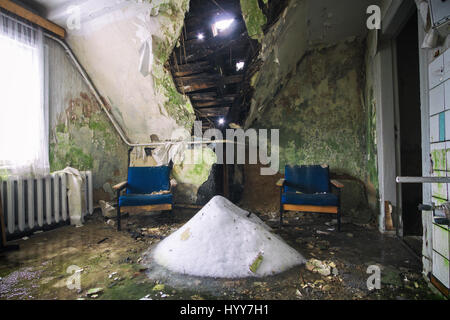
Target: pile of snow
{"type": "Point", "coordinates": [223, 241]}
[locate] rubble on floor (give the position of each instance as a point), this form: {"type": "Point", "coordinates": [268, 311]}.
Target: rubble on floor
{"type": "Point", "coordinates": [39, 269]}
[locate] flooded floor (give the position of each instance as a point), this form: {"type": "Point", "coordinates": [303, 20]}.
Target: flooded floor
{"type": "Point", "coordinates": [97, 262]}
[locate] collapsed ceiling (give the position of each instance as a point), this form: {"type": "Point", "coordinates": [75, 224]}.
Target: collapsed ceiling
{"type": "Point", "coordinates": [210, 63]}
{"type": "Point", "coordinates": [190, 73]}
{"type": "Point", "coordinates": [210, 68]}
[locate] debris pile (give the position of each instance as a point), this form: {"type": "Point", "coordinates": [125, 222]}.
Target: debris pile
{"type": "Point", "coordinates": [322, 267]}
{"type": "Point", "coordinates": [224, 241]}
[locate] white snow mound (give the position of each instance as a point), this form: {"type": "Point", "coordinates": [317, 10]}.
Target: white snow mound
{"type": "Point", "coordinates": [221, 241]}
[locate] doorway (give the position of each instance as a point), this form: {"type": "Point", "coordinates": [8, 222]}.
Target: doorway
{"type": "Point", "coordinates": [408, 131]}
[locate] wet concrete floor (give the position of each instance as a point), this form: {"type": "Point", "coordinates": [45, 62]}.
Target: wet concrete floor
{"type": "Point", "coordinates": [114, 265]}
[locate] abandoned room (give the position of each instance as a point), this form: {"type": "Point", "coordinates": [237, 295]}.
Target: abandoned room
{"type": "Point", "coordinates": [224, 150]}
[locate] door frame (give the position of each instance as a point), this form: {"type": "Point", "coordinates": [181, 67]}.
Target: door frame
{"type": "Point", "coordinates": [388, 111]}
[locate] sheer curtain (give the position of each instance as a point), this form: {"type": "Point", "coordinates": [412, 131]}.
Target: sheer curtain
{"type": "Point", "coordinates": [23, 115]}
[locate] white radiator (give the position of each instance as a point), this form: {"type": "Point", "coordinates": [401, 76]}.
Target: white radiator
{"type": "Point", "coordinates": [30, 204]}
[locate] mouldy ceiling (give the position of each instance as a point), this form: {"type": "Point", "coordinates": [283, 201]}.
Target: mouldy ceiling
{"type": "Point", "coordinates": [330, 21]}
{"type": "Point", "coordinates": [110, 42]}
{"type": "Point", "coordinates": [304, 26]}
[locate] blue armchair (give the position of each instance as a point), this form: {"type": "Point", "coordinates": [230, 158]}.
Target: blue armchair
{"type": "Point", "coordinates": [309, 189]}
{"type": "Point", "coordinates": [147, 189]}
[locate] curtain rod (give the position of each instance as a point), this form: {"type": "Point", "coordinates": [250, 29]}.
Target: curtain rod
{"type": "Point", "coordinates": [32, 17]}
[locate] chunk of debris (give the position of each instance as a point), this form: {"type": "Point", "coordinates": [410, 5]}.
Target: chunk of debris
{"type": "Point", "coordinates": [321, 267]}
{"type": "Point", "coordinates": [108, 210]}
{"type": "Point", "coordinates": [158, 287]}
{"type": "Point", "coordinates": [185, 235]}
{"type": "Point", "coordinates": [94, 291]}
{"type": "Point", "coordinates": [111, 222]}
{"type": "Point", "coordinates": [102, 240]}
{"type": "Point", "coordinates": [256, 263]}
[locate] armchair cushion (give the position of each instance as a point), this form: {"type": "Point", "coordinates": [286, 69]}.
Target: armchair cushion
{"type": "Point", "coordinates": [320, 199]}
{"type": "Point", "coordinates": [315, 179]}
{"type": "Point", "coordinates": [145, 180]}
{"type": "Point", "coordinates": [132, 200]}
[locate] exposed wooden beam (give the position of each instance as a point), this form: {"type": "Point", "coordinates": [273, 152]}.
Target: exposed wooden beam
{"type": "Point", "coordinates": [32, 17]}
{"type": "Point", "coordinates": [216, 42]}
{"type": "Point", "coordinates": [216, 102]}
{"type": "Point", "coordinates": [209, 76]}
{"type": "Point", "coordinates": [209, 96]}
{"type": "Point", "coordinates": [197, 84]}
{"type": "Point", "coordinates": [191, 68]}
{"type": "Point", "coordinates": [213, 112]}
{"type": "Point", "coordinates": [200, 51]}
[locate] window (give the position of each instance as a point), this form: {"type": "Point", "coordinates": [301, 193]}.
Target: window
{"type": "Point", "coordinates": [23, 128]}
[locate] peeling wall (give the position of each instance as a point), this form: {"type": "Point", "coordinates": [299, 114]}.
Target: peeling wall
{"type": "Point", "coordinates": [193, 172]}
{"type": "Point", "coordinates": [81, 135]}
{"type": "Point", "coordinates": [281, 48]}
{"type": "Point", "coordinates": [312, 87]}
{"type": "Point", "coordinates": [321, 117]}
{"type": "Point", "coordinates": [319, 111]}
{"type": "Point", "coordinates": [303, 25]}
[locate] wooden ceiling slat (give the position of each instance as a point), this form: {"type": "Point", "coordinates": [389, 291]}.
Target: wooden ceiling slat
{"type": "Point", "coordinates": [217, 102]}
{"type": "Point", "coordinates": [213, 46]}
{"type": "Point", "coordinates": [195, 84]}
{"type": "Point", "coordinates": [214, 112]}
{"type": "Point", "coordinates": [183, 70]}
{"type": "Point", "coordinates": [204, 96]}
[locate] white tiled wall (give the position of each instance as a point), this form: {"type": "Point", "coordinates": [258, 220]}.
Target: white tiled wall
{"type": "Point", "coordinates": [434, 129]}
{"type": "Point", "coordinates": [437, 103]}
{"type": "Point", "coordinates": [436, 72]}
{"type": "Point", "coordinates": [439, 77]}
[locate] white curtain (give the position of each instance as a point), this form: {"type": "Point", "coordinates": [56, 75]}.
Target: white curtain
{"type": "Point", "coordinates": [23, 114]}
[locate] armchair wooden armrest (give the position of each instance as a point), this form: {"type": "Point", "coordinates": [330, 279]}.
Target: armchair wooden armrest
{"type": "Point", "coordinates": [120, 186]}
{"type": "Point", "coordinates": [337, 184]}
{"type": "Point", "coordinates": [281, 182]}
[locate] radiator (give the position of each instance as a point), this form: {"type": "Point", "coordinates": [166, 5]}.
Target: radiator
{"type": "Point", "coordinates": [30, 204]}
